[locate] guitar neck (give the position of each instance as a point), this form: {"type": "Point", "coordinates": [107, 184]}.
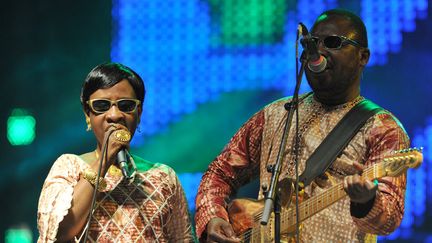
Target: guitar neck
{"type": "Point", "coordinates": [319, 202]}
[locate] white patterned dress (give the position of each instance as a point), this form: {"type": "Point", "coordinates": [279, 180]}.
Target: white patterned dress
{"type": "Point", "coordinates": [151, 209]}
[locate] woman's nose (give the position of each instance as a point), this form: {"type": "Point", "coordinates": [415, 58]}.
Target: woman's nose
{"type": "Point", "coordinates": [114, 114]}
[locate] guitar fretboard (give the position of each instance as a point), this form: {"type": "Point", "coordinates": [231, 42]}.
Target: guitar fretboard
{"type": "Point", "coordinates": [321, 201]}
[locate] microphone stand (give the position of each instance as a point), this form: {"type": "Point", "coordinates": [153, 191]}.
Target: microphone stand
{"type": "Point", "coordinates": [272, 200]}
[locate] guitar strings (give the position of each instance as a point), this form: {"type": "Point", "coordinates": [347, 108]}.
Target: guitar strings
{"type": "Point", "coordinates": [288, 216]}
{"type": "Point", "coordinates": [375, 171]}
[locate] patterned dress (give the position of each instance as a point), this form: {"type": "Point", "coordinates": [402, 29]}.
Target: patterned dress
{"type": "Point", "coordinates": [256, 145]}
{"type": "Point", "coordinates": [152, 208]}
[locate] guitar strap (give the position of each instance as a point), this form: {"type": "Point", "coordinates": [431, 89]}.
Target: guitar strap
{"type": "Point", "coordinates": [336, 141]}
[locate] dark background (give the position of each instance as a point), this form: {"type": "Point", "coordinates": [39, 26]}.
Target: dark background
{"type": "Point", "coordinates": [47, 49]}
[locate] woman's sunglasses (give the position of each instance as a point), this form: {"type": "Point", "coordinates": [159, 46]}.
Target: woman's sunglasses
{"type": "Point", "coordinates": [335, 41]}
{"type": "Point", "coordinates": [103, 105]}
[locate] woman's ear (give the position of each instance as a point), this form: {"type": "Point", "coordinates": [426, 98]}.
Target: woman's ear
{"type": "Point", "coordinates": [87, 118]}
{"type": "Point", "coordinates": [139, 114]}
{"type": "Point", "coordinates": [86, 114]}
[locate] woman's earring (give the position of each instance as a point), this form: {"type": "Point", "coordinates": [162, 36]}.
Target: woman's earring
{"type": "Point", "coordinates": [88, 124]}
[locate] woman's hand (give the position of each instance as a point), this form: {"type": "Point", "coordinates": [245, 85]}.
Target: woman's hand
{"type": "Point", "coordinates": [119, 137]}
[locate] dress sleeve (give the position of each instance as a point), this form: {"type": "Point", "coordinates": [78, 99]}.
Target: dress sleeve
{"type": "Point", "coordinates": [385, 136]}
{"type": "Point", "coordinates": [56, 196]}
{"type": "Point", "coordinates": [180, 226]}
{"type": "Point", "coordinates": [235, 166]}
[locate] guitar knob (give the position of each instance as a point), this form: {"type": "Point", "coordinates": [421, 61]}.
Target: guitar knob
{"type": "Point", "coordinates": [264, 187]}
{"type": "Point", "coordinates": [270, 168]}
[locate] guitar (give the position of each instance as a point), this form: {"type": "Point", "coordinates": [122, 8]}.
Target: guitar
{"type": "Point", "coordinates": [245, 214]}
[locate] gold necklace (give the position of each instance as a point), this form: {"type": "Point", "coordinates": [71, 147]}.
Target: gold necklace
{"type": "Point", "coordinates": [352, 103]}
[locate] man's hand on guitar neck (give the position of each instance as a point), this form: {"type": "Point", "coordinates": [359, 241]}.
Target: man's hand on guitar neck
{"type": "Point", "coordinates": [359, 189]}
{"type": "Point", "coordinates": [219, 230]}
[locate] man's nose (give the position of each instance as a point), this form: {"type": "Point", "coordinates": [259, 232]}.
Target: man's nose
{"type": "Point", "coordinates": [321, 48]}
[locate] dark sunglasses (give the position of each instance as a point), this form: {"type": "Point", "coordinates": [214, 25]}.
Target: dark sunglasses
{"type": "Point", "coordinates": [103, 105]}
{"type": "Point", "coordinates": [335, 41]}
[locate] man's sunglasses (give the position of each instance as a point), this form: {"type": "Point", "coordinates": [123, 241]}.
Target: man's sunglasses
{"type": "Point", "coordinates": [335, 41]}
{"type": "Point", "coordinates": [100, 106]}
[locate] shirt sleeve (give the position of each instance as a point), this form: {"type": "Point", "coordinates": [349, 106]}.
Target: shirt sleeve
{"type": "Point", "coordinates": [386, 136]}
{"type": "Point", "coordinates": [180, 227]}
{"type": "Point", "coordinates": [56, 196]}
{"type": "Point", "coordinates": [235, 166]}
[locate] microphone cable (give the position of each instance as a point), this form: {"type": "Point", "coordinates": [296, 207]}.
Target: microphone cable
{"type": "Point", "coordinates": [103, 156]}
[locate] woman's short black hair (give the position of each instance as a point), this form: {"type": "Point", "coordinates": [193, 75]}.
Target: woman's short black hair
{"type": "Point", "coordinates": [107, 75]}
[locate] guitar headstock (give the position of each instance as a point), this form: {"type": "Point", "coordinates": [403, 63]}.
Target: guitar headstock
{"type": "Point", "coordinates": [402, 160]}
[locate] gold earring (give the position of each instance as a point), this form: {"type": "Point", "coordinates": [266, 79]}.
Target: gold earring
{"type": "Point", "coordinates": [88, 124]}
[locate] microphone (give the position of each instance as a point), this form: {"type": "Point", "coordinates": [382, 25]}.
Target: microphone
{"type": "Point", "coordinates": [122, 162]}
{"type": "Point", "coordinates": [317, 62]}
{"type": "Point", "coordinates": [123, 136]}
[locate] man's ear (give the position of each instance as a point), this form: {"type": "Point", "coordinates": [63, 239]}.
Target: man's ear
{"type": "Point", "coordinates": [364, 56]}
